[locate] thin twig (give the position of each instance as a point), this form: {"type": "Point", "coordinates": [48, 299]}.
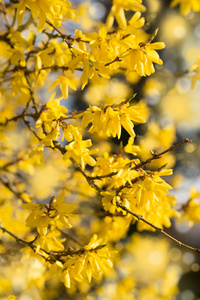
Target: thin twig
{"type": "Point", "coordinates": [158, 155]}
{"type": "Point", "coordinates": [53, 256]}
{"type": "Point", "coordinates": [142, 164]}
{"type": "Point", "coordinates": [114, 60]}
{"type": "Point", "coordinates": [8, 186]}
{"type": "Point", "coordinates": [140, 218]}
{"type": "Point", "coordinates": [24, 242]}
{"type": "Point", "coordinates": [170, 75]}
{"type": "Point", "coordinates": [11, 163]}
{"type": "Point", "coordinates": [11, 119]}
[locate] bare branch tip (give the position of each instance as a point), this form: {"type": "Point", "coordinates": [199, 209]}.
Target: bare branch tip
{"type": "Point", "coordinates": [188, 140]}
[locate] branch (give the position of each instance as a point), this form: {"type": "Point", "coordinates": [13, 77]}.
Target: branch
{"type": "Point", "coordinates": [53, 255]}
{"type": "Point", "coordinates": [140, 218]}
{"type": "Point", "coordinates": [24, 242]}
{"type": "Point", "coordinates": [68, 39]}
{"type": "Point", "coordinates": [141, 164]}
{"type": "Point", "coordinates": [11, 163]}
{"type": "Point", "coordinates": [158, 155]}
{"type": "Point", "coordinates": [8, 186]}
{"type": "Point", "coordinates": [89, 180]}
{"type": "Point", "coordinates": [169, 75]}
{"type": "Point", "coordinates": [114, 60]}
{"type": "Point", "coordinates": [11, 119]}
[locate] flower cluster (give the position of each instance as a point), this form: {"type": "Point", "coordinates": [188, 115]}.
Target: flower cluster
{"type": "Point", "coordinates": [42, 10]}
{"type": "Point", "coordinates": [109, 119]}
{"type": "Point", "coordinates": [79, 152]}
{"type": "Point", "coordinates": [92, 261]}
{"type": "Point", "coordinates": [43, 215]}
{"type": "Point", "coordinates": [49, 145]}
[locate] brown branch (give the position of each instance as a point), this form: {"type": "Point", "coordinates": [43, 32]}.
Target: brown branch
{"type": "Point", "coordinates": [11, 163]}
{"type": "Point", "coordinates": [127, 184]}
{"type": "Point", "coordinates": [53, 256]}
{"type": "Point", "coordinates": [114, 60]}
{"type": "Point", "coordinates": [141, 164]}
{"type": "Point", "coordinates": [158, 155]}
{"type": "Point", "coordinates": [89, 180]}
{"type": "Point", "coordinates": [170, 75]}
{"type": "Point", "coordinates": [140, 218]}
{"type": "Point", "coordinates": [11, 119]}
{"type": "Point", "coordinates": [27, 123]}
{"type": "Point", "coordinates": [99, 177]}
{"type": "Point", "coordinates": [9, 187]}
{"type": "Point", "coordinates": [24, 242]}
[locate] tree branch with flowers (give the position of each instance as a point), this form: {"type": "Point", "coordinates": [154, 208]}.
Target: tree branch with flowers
{"type": "Point", "coordinates": [75, 227]}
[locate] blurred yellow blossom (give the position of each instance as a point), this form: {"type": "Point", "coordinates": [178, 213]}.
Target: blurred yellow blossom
{"type": "Point", "coordinates": [187, 5]}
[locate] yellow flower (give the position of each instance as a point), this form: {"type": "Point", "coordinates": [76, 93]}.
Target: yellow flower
{"type": "Point", "coordinates": [99, 44]}
{"type": "Point", "coordinates": [193, 193]}
{"type": "Point", "coordinates": [117, 11]}
{"type": "Point", "coordinates": [37, 153]}
{"type": "Point", "coordinates": [43, 59]}
{"type": "Point", "coordinates": [91, 67]}
{"type": "Point", "coordinates": [92, 261]}
{"type": "Point", "coordinates": [131, 115]}
{"type": "Point", "coordinates": [186, 5]}
{"type": "Point", "coordinates": [51, 112]}
{"type": "Point", "coordinates": [195, 67]}
{"type": "Point", "coordinates": [61, 211]}
{"type": "Point", "coordinates": [51, 115]}
{"type": "Point", "coordinates": [64, 82]}
{"type": "Point", "coordinates": [79, 37]}
{"type": "Point", "coordinates": [71, 133]}
{"type": "Point", "coordinates": [43, 215]}
{"type": "Point", "coordinates": [78, 150]}
{"type": "Point", "coordinates": [109, 201]}
{"type": "Point", "coordinates": [149, 189]}
{"type": "Point", "coordinates": [38, 217]}
{"type": "Point", "coordinates": [191, 210]}
{"type": "Point", "coordinates": [142, 57]}
{"type": "Point", "coordinates": [18, 55]}
{"type": "Point", "coordinates": [54, 134]}
{"type": "Point", "coordinates": [130, 148]}
{"type": "Point", "coordinates": [86, 59]}
{"type": "Point", "coordinates": [108, 120]}
{"type": "Point", "coordinates": [19, 84]}
{"type": "Point", "coordinates": [42, 10]}
{"type": "Point", "coordinates": [136, 21]}
{"type": "Point", "coordinates": [51, 241]}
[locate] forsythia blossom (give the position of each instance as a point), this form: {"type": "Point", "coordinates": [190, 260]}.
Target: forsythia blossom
{"type": "Point", "coordinates": [141, 58]}
{"type": "Point", "coordinates": [43, 9]}
{"type": "Point", "coordinates": [78, 150]}
{"type": "Point", "coordinates": [191, 210]}
{"type": "Point", "coordinates": [43, 215]}
{"type": "Point", "coordinates": [117, 11]}
{"type": "Point", "coordinates": [150, 189]}
{"type": "Point", "coordinates": [92, 261]}
{"type": "Point", "coordinates": [109, 119]}
{"type": "Point", "coordinates": [51, 112]}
